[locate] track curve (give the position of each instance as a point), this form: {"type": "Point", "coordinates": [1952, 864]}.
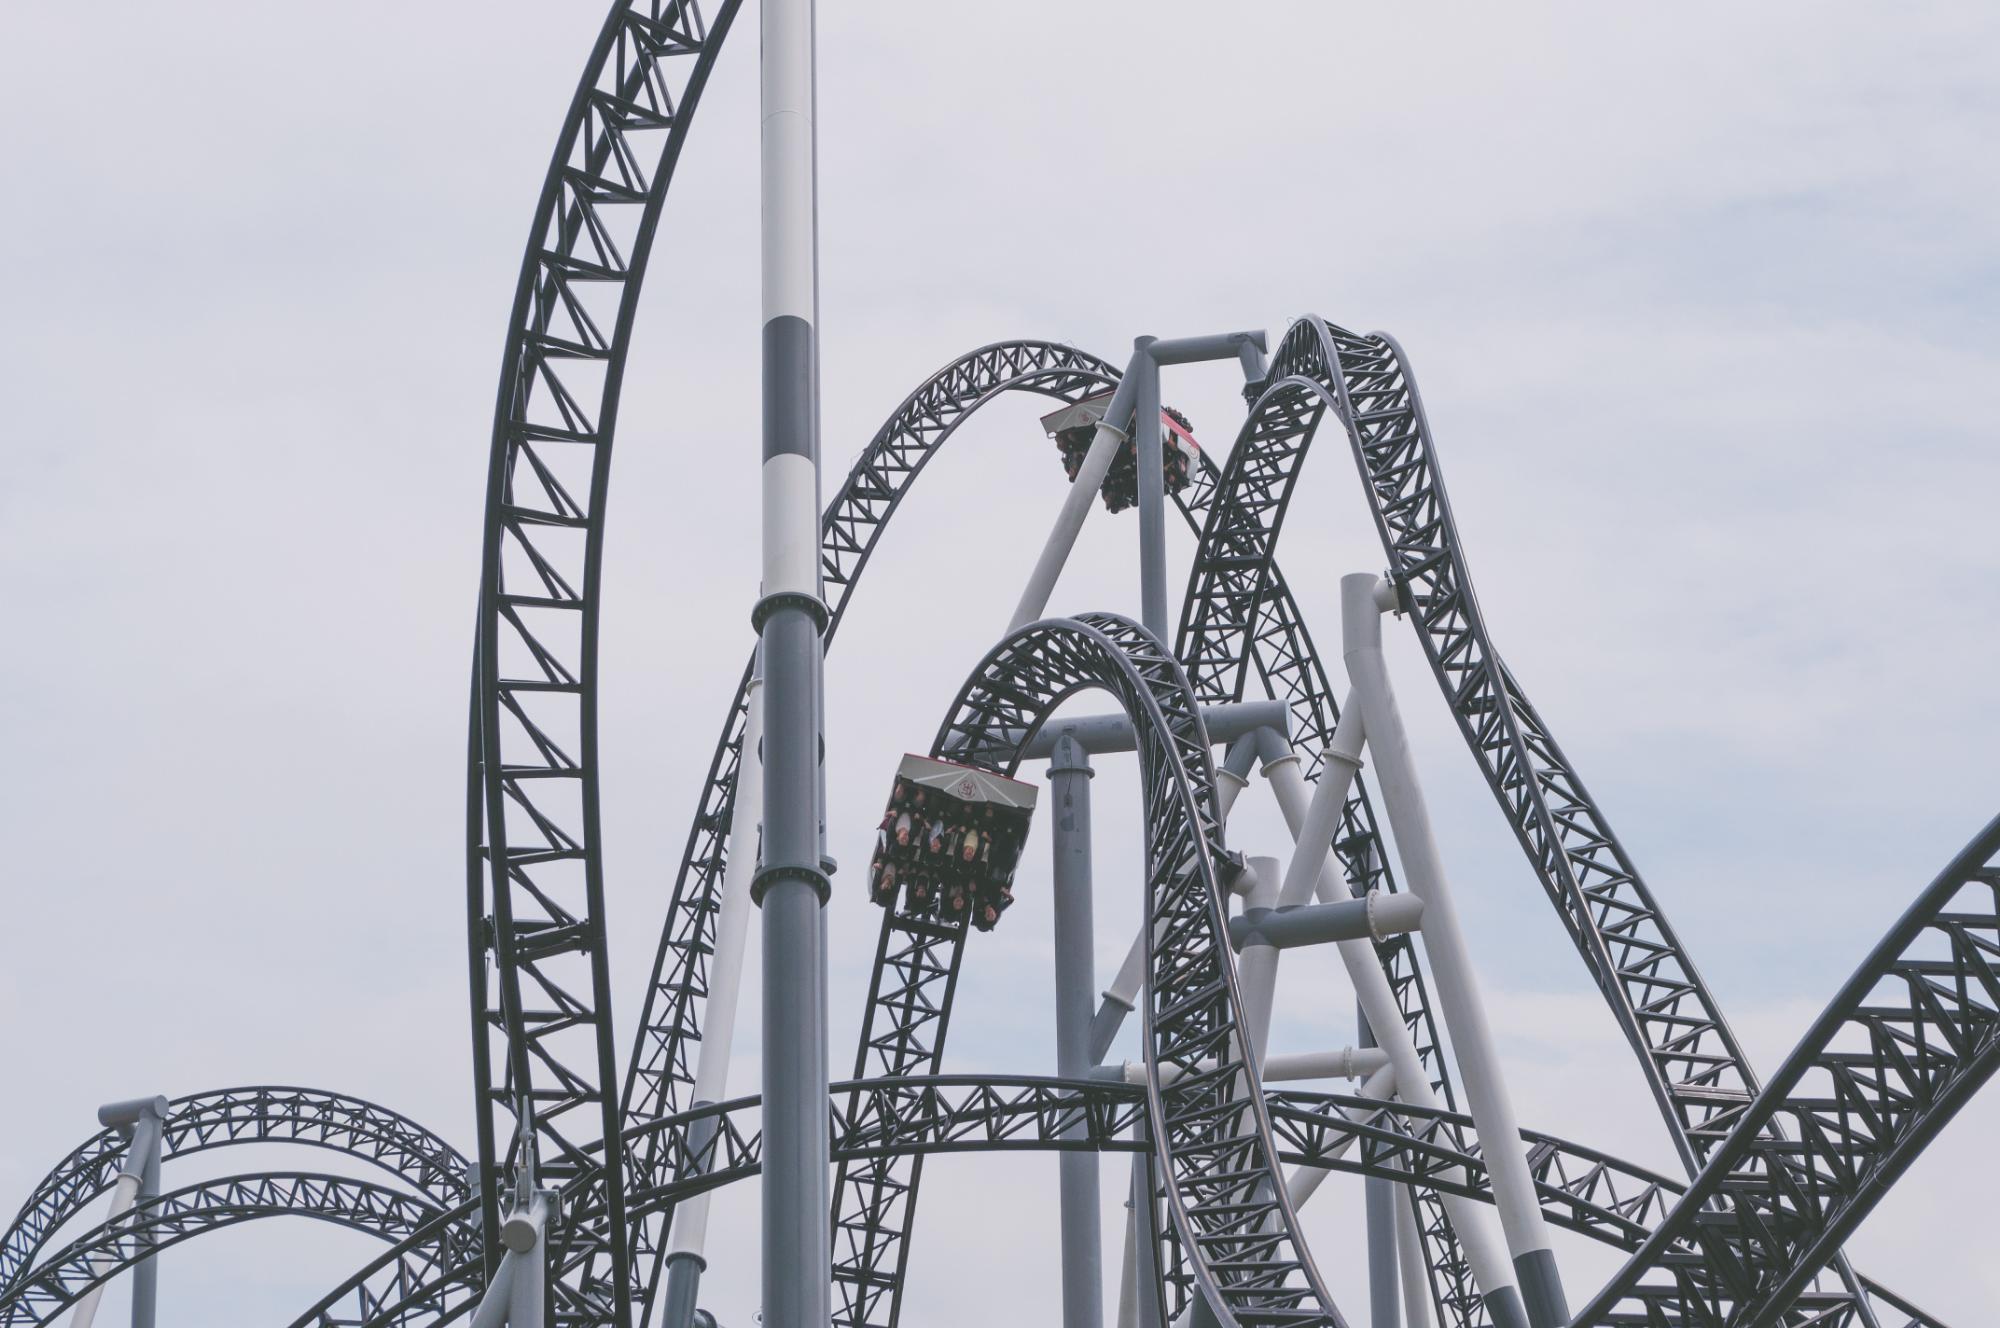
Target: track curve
{"type": "Point", "coordinates": [262, 1113]}
{"type": "Point", "coordinates": [1906, 1042]}
{"type": "Point", "coordinates": [535, 896]}
{"type": "Point", "coordinates": [432, 1277]}
{"type": "Point", "coordinates": [1226, 1204]}
{"type": "Point", "coordinates": [660, 1072]}
{"type": "Point", "coordinates": [1691, 1060]}
{"type": "Point", "coordinates": [195, 1210]}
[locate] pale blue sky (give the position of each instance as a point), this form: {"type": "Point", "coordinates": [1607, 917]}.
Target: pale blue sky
{"type": "Point", "coordinates": [1701, 298]}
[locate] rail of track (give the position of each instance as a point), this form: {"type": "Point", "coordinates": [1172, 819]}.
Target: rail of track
{"type": "Point", "coordinates": [260, 1114]}
{"type": "Point", "coordinates": [181, 1215]}
{"type": "Point", "coordinates": [535, 891]}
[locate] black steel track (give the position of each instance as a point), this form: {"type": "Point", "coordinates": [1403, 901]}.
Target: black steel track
{"type": "Point", "coordinates": [195, 1210]}
{"type": "Point", "coordinates": [264, 1113]}
{"type": "Point", "coordinates": [433, 1276]}
{"type": "Point", "coordinates": [661, 1069]}
{"type": "Point", "coordinates": [543, 1051]}
{"type": "Point", "coordinates": [1907, 1042]}
{"type": "Point", "coordinates": [1225, 1204]}
{"type": "Point", "coordinates": [1691, 1060]}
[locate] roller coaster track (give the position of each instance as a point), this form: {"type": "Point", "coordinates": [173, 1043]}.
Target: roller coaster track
{"type": "Point", "coordinates": [1691, 1060]}
{"type": "Point", "coordinates": [660, 1070]}
{"type": "Point", "coordinates": [183, 1214]}
{"type": "Point", "coordinates": [1909, 1039]}
{"type": "Point", "coordinates": [1211, 1135]}
{"type": "Point", "coordinates": [261, 1114]}
{"type": "Point", "coordinates": [535, 868]}
{"type": "Point", "coordinates": [431, 1278]}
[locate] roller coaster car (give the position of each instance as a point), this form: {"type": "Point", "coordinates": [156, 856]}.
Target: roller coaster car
{"type": "Point", "coordinates": [1075, 425]}
{"type": "Point", "coordinates": [949, 841]}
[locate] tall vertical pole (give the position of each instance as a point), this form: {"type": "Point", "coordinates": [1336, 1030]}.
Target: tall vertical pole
{"type": "Point", "coordinates": [1152, 482]}
{"type": "Point", "coordinates": [791, 885]}
{"type": "Point", "coordinates": [1082, 1240]}
{"type": "Point", "coordinates": [1379, 1196]}
{"type": "Point", "coordinates": [1363, 598]}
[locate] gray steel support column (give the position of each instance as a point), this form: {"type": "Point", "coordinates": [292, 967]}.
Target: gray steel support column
{"type": "Point", "coordinates": [146, 1273]}
{"type": "Point", "coordinates": [791, 884]}
{"type": "Point", "coordinates": [140, 1120]}
{"type": "Point", "coordinates": [525, 1234]}
{"type": "Point", "coordinates": [1145, 1243]}
{"type": "Point", "coordinates": [1410, 1263]}
{"type": "Point", "coordinates": [1082, 1240]}
{"type": "Point", "coordinates": [1152, 481]}
{"type": "Point", "coordinates": [1363, 599]}
{"type": "Point", "coordinates": [1379, 1195]}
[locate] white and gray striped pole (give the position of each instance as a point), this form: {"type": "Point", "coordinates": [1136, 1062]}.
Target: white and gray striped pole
{"type": "Point", "coordinates": [791, 885]}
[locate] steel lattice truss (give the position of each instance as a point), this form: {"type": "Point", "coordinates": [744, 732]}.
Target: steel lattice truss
{"type": "Point", "coordinates": [535, 864]}
{"type": "Point", "coordinates": [1211, 1136]}
{"type": "Point", "coordinates": [1909, 1039]}
{"type": "Point", "coordinates": [185, 1213]}
{"type": "Point", "coordinates": [262, 1114]}
{"type": "Point", "coordinates": [1783, 1175]}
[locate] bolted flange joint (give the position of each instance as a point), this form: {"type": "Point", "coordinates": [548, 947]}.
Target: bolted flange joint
{"type": "Point", "coordinates": [789, 599]}
{"type": "Point", "coordinates": [769, 876]}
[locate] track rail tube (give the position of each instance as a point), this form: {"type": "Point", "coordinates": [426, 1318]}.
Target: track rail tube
{"type": "Point", "coordinates": [1362, 600]}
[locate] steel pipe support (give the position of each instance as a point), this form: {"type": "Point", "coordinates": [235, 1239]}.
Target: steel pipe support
{"type": "Point", "coordinates": [1363, 598]}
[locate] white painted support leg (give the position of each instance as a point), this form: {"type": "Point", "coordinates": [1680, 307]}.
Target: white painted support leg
{"type": "Point", "coordinates": [1484, 1249]}
{"type": "Point", "coordinates": [1363, 598]}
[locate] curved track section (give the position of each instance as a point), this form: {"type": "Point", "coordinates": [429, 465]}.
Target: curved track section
{"type": "Point", "coordinates": [260, 1114]}
{"type": "Point", "coordinates": [430, 1278]}
{"type": "Point", "coordinates": [535, 870]}
{"type": "Point", "coordinates": [1905, 1044]}
{"type": "Point", "coordinates": [661, 1071]}
{"type": "Point", "coordinates": [1691, 1060]}
{"type": "Point", "coordinates": [186, 1213]}
{"type": "Point", "coordinates": [1226, 1205]}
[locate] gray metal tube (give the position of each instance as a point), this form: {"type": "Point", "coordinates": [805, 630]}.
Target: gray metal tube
{"type": "Point", "coordinates": [1375, 916]}
{"type": "Point", "coordinates": [525, 1235]}
{"type": "Point", "coordinates": [791, 886]}
{"type": "Point", "coordinates": [1076, 506]}
{"type": "Point", "coordinates": [1146, 1245]}
{"type": "Point", "coordinates": [1410, 1263]}
{"type": "Point", "coordinates": [492, 1309]}
{"type": "Point", "coordinates": [687, 1242]}
{"type": "Point", "coordinates": [1082, 1242]}
{"type": "Point", "coordinates": [1152, 483]}
{"type": "Point", "coordinates": [122, 1196]}
{"type": "Point", "coordinates": [1102, 735]}
{"type": "Point", "coordinates": [1363, 597]}
{"type": "Point", "coordinates": [1379, 1198]}
{"type": "Point", "coordinates": [1257, 957]}
{"type": "Point", "coordinates": [1215, 346]}
{"type": "Point", "coordinates": [1484, 1249]}
{"type": "Point", "coordinates": [138, 1180]}
{"type": "Point", "coordinates": [146, 1273]}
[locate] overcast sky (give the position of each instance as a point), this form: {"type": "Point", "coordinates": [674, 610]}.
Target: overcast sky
{"type": "Point", "coordinates": [1701, 297]}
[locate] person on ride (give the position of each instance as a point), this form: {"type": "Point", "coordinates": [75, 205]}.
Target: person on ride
{"type": "Point", "coordinates": [885, 883]}
{"type": "Point", "coordinates": [968, 844]}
